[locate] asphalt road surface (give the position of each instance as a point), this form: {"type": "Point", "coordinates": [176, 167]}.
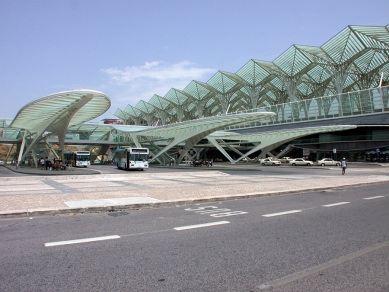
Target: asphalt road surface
{"type": "Point", "coordinates": [334, 240]}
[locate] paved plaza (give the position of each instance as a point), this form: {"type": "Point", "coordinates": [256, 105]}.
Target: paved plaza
{"type": "Point", "coordinates": [32, 192]}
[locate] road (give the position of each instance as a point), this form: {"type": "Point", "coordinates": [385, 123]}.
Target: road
{"type": "Point", "coordinates": [333, 240]}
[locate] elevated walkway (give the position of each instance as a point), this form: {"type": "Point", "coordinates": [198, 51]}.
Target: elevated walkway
{"type": "Point", "coordinates": [364, 107]}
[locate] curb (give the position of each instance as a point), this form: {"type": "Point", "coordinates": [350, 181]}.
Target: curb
{"type": "Point", "coordinates": [48, 172]}
{"type": "Point", "coordinates": [165, 204]}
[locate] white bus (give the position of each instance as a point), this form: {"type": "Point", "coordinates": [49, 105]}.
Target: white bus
{"type": "Point", "coordinates": [132, 158]}
{"type": "Point", "coordinates": [78, 158]}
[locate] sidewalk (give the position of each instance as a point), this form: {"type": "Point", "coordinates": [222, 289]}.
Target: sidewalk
{"type": "Point", "coordinates": [45, 192]}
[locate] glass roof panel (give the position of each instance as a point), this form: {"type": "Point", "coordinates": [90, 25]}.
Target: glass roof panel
{"type": "Point", "coordinates": [175, 97]}
{"type": "Point", "coordinates": [252, 73]}
{"type": "Point", "coordinates": [199, 90]}
{"type": "Point", "coordinates": [370, 61]}
{"type": "Point", "coordinates": [343, 46]}
{"type": "Point", "coordinates": [373, 36]}
{"type": "Point", "coordinates": [318, 74]}
{"type": "Point", "coordinates": [145, 107]}
{"type": "Point", "coordinates": [133, 111]}
{"type": "Point", "coordinates": [159, 102]}
{"type": "Point", "coordinates": [121, 114]}
{"type": "Point", "coordinates": [315, 54]}
{"type": "Point", "coordinates": [292, 61]}
{"type": "Point", "coordinates": [222, 83]}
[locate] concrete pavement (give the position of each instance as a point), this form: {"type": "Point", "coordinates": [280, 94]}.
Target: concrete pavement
{"type": "Point", "coordinates": [85, 190]}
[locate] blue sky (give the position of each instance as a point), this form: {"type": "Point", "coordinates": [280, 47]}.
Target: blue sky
{"type": "Point", "coordinates": [131, 50]}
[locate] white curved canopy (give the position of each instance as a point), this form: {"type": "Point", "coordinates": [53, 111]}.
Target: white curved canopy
{"type": "Point", "coordinates": [78, 105]}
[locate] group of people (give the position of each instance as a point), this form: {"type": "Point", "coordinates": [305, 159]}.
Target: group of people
{"type": "Point", "coordinates": [48, 164]}
{"type": "Point", "coordinates": [201, 162]}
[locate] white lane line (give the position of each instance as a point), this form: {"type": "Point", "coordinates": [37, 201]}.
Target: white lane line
{"type": "Point", "coordinates": [316, 269]}
{"type": "Point", "coordinates": [282, 213]}
{"type": "Point", "coordinates": [82, 240]}
{"type": "Point", "coordinates": [200, 225]}
{"type": "Point", "coordinates": [336, 204]}
{"type": "Point", "coordinates": [376, 197]}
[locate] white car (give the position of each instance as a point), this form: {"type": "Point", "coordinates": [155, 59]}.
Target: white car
{"type": "Point", "coordinates": [1, 162]}
{"type": "Point", "coordinates": [268, 161]}
{"type": "Point", "coordinates": [301, 161]}
{"type": "Point", "coordinates": [328, 161]}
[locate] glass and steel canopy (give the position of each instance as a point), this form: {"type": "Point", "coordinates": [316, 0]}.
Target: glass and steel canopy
{"type": "Point", "coordinates": [42, 110]}
{"type": "Point", "coordinates": [354, 59]}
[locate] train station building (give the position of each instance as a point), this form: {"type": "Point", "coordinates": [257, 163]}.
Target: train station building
{"type": "Point", "coordinates": [309, 101]}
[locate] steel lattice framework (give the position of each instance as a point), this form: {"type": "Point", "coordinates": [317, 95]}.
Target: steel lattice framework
{"type": "Point", "coordinates": [352, 60]}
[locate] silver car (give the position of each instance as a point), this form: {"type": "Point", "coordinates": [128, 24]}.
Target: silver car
{"type": "Point", "coordinates": [328, 161]}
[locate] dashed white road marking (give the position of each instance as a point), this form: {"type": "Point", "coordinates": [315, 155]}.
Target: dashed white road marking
{"type": "Point", "coordinates": [201, 225]}
{"type": "Point", "coordinates": [336, 204]}
{"type": "Point", "coordinates": [81, 240]}
{"type": "Point", "coordinates": [282, 213]}
{"type": "Point", "coordinates": [376, 197]}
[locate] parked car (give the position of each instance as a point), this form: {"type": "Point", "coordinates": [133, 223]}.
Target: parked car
{"type": "Point", "coordinates": [286, 159]}
{"type": "Point", "coordinates": [328, 161]}
{"type": "Point", "coordinates": [1, 162]}
{"type": "Point", "coordinates": [268, 161]}
{"type": "Point", "coordinates": [270, 158]}
{"type": "Point", "coordinates": [301, 161]}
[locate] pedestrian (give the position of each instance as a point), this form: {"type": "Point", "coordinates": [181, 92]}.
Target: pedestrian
{"type": "Point", "coordinates": [343, 165]}
{"type": "Point", "coordinates": [16, 163]}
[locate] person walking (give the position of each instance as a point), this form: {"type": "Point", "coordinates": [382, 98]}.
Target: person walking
{"type": "Point", "coordinates": [343, 165]}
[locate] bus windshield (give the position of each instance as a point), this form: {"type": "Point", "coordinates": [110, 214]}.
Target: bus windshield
{"type": "Point", "coordinates": [138, 157]}
{"type": "Point", "coordinates": [83, 157]}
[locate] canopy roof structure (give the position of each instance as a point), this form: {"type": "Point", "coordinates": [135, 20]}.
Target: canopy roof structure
{"type": "Point", "coordinates": [53, 114]}
{"type": "Point", "coordinates": [188, 133]}
{"type": "Point", "coordinates": [266, 141]}
{"type": "Point", "coordinates": [352, 60]}
{"type": "Point", "coordinates": [70, 107]}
